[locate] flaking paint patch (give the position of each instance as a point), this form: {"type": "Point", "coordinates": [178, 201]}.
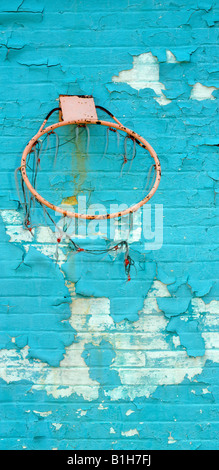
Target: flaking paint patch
{"type": "Point", "coordinates": [43, 414]}
{"type": "Point", "coordinates": [202, 92]}
{"type": "Point", "coordinates": [44, 240]}
{"type": "Point", "coordinates": [112, 431]}
{"type": "Point", "coordinates": [81, 412]}
{"type": "Point", "coordinates": [57, 426]}
{"type": "Point", "coordinates": [171, 59]}
{"type": "Point", "coordinates": [144, 74]}
{"type": "Point", "coordinates": [171, 439]}
{"type": "Point", "coordinates": [130, 432]}
{"type": "Point", "coordinates": [123, 230]}
{"type": "Point", "coordinates": [101, 407]}
{"type": "Point", "coordinates": [164, 365]}
{"type": "Point", "coordinates": [15, 366]}
{"type": "Point", "coordinates": [103, 321]}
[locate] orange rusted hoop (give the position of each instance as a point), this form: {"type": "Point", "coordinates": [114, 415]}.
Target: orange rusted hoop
{"type": "Point", "coordinates": [117, 125]}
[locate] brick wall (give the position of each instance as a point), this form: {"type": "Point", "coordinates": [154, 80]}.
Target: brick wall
{"type": "Point", "coordinates": [87, 359]}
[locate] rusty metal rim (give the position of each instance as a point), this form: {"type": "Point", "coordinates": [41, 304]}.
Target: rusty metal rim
{"type": "Point", "coordinates": [140, 141]}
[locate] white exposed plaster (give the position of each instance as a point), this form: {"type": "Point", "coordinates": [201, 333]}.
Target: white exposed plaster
{"type": "Point", "coordinates": [171, 439]}
{"type": "Point", "coordinates": [81, 412]}
{"type": "Point", "coordinates": [149, 360]}
{"type": "Point", "coordinates": [18, 234]}
{"type": "Point", "coordinates": [101, 407]}
{"type": "Point", "coordinates": [171, 59]}
{"type": "Point", "coordinates": [45, 240]}
{"type": "Point", "coordinates": [122, 230]}
{"type": "Point", "coordinates": [57, 426]}
{"type": "Point", "coordinates": [131, 432]}
{"type": "Point", "coordinates": [45, 234]}
{"type": "Point", "coordinates": [112, 431]}
{"type": "Point", "coordinates": [144, 74]}
{"type": "Point", "coordinates": [201, 92]}
{"type": "Point", "coordinates": [11, 217]}
{"type": "Point", "coordinates": [156, 362]}
{"type": "Point", "coordinates": [176, 341]}
{"type": "Point", "coordinates": [129, 412]}
{"type": "Point", "coordinates": [44, 414]}
{"type": "Point", "coordinates": [199, 306]}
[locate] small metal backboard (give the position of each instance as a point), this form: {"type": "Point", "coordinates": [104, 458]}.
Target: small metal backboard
{"type": "Point", "coordinates": [76, 107]}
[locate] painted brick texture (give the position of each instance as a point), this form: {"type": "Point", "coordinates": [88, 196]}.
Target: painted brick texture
{"type": "Point", "coordinates": [89, 360]}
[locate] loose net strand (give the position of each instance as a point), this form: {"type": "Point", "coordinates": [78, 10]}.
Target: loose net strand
{"type": "Point", "coordinates": [17, 183]}
{"type": "Point", "coordinates": [149, 177]}
{"type": "Point", "coordinates": [133, 154]}
{"type": "Point", "coordinates": [118, 139]}
{"type": "Point", "coordinates": [56, 149]}
{"type": "Point", "coordinates": [76, 133]}
{"type": "Point", "coordinates": [106, 144]}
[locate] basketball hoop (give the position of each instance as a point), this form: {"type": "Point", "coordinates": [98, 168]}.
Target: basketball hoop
{"type": "Point", "coordinates": [81, 111]}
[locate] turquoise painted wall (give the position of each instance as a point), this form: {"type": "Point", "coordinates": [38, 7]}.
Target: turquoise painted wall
{"type": "Point", "coordinates": [87, 359]}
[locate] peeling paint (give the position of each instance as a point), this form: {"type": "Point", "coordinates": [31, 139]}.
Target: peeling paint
{"type": "Point", "coordinates": [171, 439]}
{"type": "Point", "coordinates": [73, 376]}
{"type": "Point", "coordinates": [44, 414]}
{"type": "Point", "coordinates": [57, 426]}
{"type": "Point", "coordinates": [80, 348]}
{"type": "Point", "coordinates": [171, 59]}
{"type": "Point", "coordinates": [131, 432]}
{"type": "Point", "coordinates": [202, 92]}
{"type": "Point", "coordinates": [144, 74]}
{"type": "Point", "coordinates": [112, 430]}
